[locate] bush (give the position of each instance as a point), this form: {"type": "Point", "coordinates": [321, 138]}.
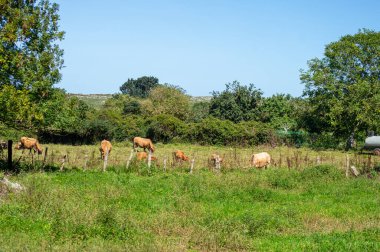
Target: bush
{"type": "Point", "coordinates": [214, 131]}
{"type": "Point", "coordinates": [130, 127]}
{"type": "Point", "coordinates": [163, 128]}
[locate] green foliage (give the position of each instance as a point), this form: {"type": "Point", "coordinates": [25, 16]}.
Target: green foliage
{"type": "Point", "coordinates": [132, 107]}
{"type": "Point", "coordinates": [30, 57]}
{"type": "Point", "coordinates": [165, 128]}
{"type": "Point", "coordinates": [343, 88]}
{"type": "Point", "coordinates": [280, 111]}
{"type": "Point", "coordinates": [98, 129]}
{"type": "Point", "coordinates": [16, 108]}
{"type": "Point", "coordinates": [264, 210]}
{"type": "Point", "coordinates": [12, 133]}
{"type": "Point", "coordinates": [128, 128]}
{"type": "Point", "coordinates": [236, 103]}
{"type": "Point", "coordinates": [214, 131]}
{"type": "Point", "coordinates": [139, 87]}
{"type": "Point", "coordinates": [170, 100]}
{"type": "Point", "coordinates": [199, 111]}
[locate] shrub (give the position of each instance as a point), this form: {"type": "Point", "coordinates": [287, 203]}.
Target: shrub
{"type": "Point", "coordinates": [163, 128]}
{"type": "Point", "coordinates": [214, 131]}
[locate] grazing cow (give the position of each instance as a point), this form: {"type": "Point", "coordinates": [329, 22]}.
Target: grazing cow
{"type": "Point", "coordinates": [3, 146]}
{"type": "Point", "coordinates": [145, 143]}
{"type": "Point", "coordinates": [141, 155]}
{"type": "Point", "coordinates": [29, 143]}
{"type": "Point", "coordinates": [214, 157]}
{"type": "Point", "coordinates": [260, 160]}
{"type": "Point", "coordinates": [180, 156]}
{"type": "Point", "coordinates": [104, 147]}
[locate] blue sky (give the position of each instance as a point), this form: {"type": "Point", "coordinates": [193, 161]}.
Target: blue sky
{"type": "Point", "coordinates": [202, 45]}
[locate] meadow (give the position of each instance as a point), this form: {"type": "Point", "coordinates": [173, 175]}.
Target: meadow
{"type": "Point", "coordinates": [303, 202]}
{"type": "Point", "coordinates": [88, 157]}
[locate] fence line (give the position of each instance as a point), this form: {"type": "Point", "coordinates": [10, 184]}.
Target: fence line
{"type": "Point", "coordinates": [232, 159]}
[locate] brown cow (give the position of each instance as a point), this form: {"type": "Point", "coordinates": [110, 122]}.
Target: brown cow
{"type": "Point", "coordinates": [29, 143]}
{"type": "Point", "coordinates": [214, 157]}
{"type": "Point", "coordinates": [179, 155]}
{"type": "Point", "coordinates": [141, 155]}
{"type": "Point", "coordinates": [260, 160]}
{"type": "Point", "coordinates": [104, 147]}
{"type": "Point", "coordinates": [3, 146]}
{"type": "Point", "coordinates": [145, 143]}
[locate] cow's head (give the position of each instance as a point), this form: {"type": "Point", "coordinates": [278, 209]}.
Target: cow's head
{"type": "Point", "coordinates": [19, 146]}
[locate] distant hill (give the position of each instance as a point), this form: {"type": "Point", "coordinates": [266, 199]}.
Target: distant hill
{"type": "Point", "coordinates": [97, 100]}
{"type": "Point", "coordinates": [93, 100]}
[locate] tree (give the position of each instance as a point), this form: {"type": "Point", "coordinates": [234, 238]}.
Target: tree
{"type": "Point", "coordinates": [199, 110]}
{"type": "Point", "coordinates": [165, 128]}
{"type": "Point", "coordinates": [30, 58]}
{"type": "Point", "coordinates": [170, 100]}
{"type": "Point", "coordinates": [343, 88]}
{"type": "Point", "coordinates": [236, 103]}
{"type": "Point", "coordinates": [16, 108]}
{"type": "Point", "coordinates": [279, 110]}
{"type": "Point", "coordinates": [139, 87]}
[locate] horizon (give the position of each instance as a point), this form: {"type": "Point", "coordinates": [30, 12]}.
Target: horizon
{"type": "Point", "coordinates": [201, 46]}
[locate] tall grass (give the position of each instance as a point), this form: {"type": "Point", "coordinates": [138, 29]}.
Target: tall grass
{"type": "Point", "coordinates": [88, 157]}
{"type": "Point", "coordinates": [308, 209]}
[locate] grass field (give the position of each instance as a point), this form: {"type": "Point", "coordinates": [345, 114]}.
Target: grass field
{"type": "Point", "coordinates": [88, 156]}
{"type": "Point", "coordinates": [309, 208]}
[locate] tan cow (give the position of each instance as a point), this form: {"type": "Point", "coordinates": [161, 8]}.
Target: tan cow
{"type": "Point", "coordinates": [29, 143]}
{"type": "Point", "coordinates": [178, 155]}
{"type": "Point", "coordinates": [145, 143]}
{"type": "Point", "coordinates": [214, 157]}
{"type": "Point", "coordinates": [104, 147]}
{"type": "Point", "coordinates": [3, 146]}
{"type": "Point", "coordinates": [141, 155]}
{"type": "Point", "coordinates": [261, 160]}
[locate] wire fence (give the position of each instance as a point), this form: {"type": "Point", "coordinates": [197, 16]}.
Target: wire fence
{"type": "Point", "coordinates": [88, 158]}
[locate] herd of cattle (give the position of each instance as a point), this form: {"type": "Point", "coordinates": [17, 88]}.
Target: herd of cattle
{"type": "Point", "coordinates": [259, 160]}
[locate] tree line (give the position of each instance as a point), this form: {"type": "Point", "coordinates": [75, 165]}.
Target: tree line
{"type": "Point", "coordinates": [341, 95]}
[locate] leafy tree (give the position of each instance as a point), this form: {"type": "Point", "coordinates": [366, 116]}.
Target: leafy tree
{"type": "Point", "coordinates": [280, 111]}
{"type": "Point", "coordinates": [199, 110]}
{"type": "Point", "coordinates": [170, 100]}
{"type": "Point", "coordinates": [30, 57]}
{"type": "Point", "coordinates": [16, 108]}
{"type": "Point", "coordinates": [165, 128]}
{"type": "Point", "coordinates": [139, 87]}
{"type": "Point", "coordinates": [343, 88]}
{"type": "Point", "coordinates": [132, 107]}
{"type": "Point", "coordinates": [236, 103]}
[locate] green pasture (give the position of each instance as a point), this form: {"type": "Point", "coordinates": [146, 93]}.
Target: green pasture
{"type": "Point", "coordinates": [234, 158]}
{"type": "Point", "coordinates": [309, 208]}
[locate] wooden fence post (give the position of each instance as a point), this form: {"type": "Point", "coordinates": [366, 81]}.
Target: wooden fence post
{"type": "Point", "coordinates": [149, 158]}
{"type": "Point", "coordinates": [165, 165]}
{"type": "Point", "coordinates": [85, 162]}
{"type": "Point", "coordinates": [217, 163]}
{"type": "Point", "coordinates": [192, 165]}
{"type": "Point", "coordinates": [63, 162]}
{"type": "Point", "coordinates": [45, 155]}
{"type": "Point", "coordinates": [10, 165]}
{"type": "Point", "coordinates": [129, 159]}
{"type": "Point", "coordinates": [347, 165]}
{"type": "Point", "coordinates": [105, 160]}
